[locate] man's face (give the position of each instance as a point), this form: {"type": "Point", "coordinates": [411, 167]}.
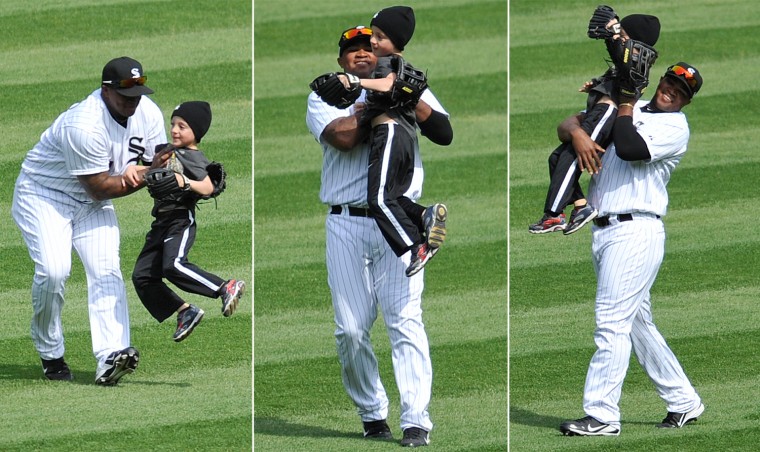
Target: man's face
{"type": "Point", "coordinates": [670, 96]}
{"type": "Point", "coordinates": [358, 59]}
{"type": "Point", "coordinates": [121, 105]}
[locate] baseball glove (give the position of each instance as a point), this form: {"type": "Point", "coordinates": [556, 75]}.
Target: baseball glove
{"type": "Point", "coordinates": [409, 84]}
{"type": "Point", "coordinates": [597, 26]}
{"type": "Point", "coordinates": [163, 186]}
{"type": "Point", "coordinates": [332, 90]}
{"type": "Point", "coordinates": [218, 177]}
{"type": "Point", "coordinates": [633, 71]}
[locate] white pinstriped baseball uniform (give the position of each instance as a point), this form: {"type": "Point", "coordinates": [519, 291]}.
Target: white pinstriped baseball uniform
{"type": "Point", "coordinates": [54, 213]}
{"type": "Point", "coordinates": [364, 273]}
{"type": "Point", "coordinates": [627, 256]}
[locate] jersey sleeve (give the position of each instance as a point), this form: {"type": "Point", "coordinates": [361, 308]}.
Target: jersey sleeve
{"type": "Point", "coordinates": [666, 135]}
{"type": "Point", "coordinates": [85, 150]}
{"type": "Point", "coordinates": [319, 115]}
{"type": "Point", "coordinates": [429, 98]}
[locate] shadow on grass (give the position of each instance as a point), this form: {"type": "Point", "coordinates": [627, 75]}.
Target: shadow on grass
{"type": "Point", "coordinates": [279, 427]}
{"type": "Point", "coordinates": [10, 373]}
{"type": "Point", "coordinates": [529, 418]}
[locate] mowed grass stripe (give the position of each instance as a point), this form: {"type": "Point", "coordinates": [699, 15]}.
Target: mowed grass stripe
{"type": "Point", "coordinates": [203, 434]}
{"type": "Point", "coordinates": [47, 53]}
{"type": "Point", "coordinates": [294, 74]}
{"type": "Point", "coordinates": [300, 327]}
{"type": "Point", "coordinates": [736, 306]}
{"type": "Point", "coordinates": [458, 20]}
{"type": "Point", "coordinates": [704, 298]}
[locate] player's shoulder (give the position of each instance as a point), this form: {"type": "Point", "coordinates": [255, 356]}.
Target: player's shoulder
{"type": "Point", "coordinates": [149, 107]}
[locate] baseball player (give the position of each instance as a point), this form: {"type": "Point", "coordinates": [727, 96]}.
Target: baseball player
{"type": "Point", "coordinates": [395, 88]}
{"type": "Point", "coordinates": [62, 201]}
{"type": "Point", "coordinates": [172, 234]}
{"type": "Point", "coordinates": [628, 241]}
{"type": "Point", "coordinates": [363, 271]}
{"type": "Point", "coordinates": [598, 119]}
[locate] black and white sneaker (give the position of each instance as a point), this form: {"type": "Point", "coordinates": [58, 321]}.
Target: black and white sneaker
{"type": "Point", "coordinates": [187, 320]}
{"type": "Point", "coordinates": [231, 293]}
{"type": "Point", "coordinates": [580, 217]}
{"type": "Point", "coordinates": [588, 426]}
{"type": "Point", "coordinates": [434, 220]}
{"type": "Point", "coordinates": [415, 437]}
{"type": "Point", "coordinates": [56, 369]}
{"type": "Point", "coordinates": [678, 420]}
{"type": "Point", "coordinates": [377, 430]}
{"type": "Point", "coordinates": [116, 366]}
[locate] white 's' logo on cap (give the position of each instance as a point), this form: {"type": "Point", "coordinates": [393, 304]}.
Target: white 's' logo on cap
{"type": "Point", "coordinates": [135, 72]}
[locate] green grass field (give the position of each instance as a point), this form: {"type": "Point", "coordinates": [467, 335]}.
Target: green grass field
{"type": "Point", "coordinates": [705, 298]}
{"type": "Point", "coordinates": [299, 401]}
{"type": "Point", "coordinates": [195, 395]}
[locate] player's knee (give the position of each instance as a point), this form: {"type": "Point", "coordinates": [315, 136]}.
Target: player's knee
{"type": "Point", "coordinates": [51, 279]}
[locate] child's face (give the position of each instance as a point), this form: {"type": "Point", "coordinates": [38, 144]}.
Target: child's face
{"type": "Point", "coordinates": [381, 43]}
{"type": "Point", "coordinates": [182, 134]}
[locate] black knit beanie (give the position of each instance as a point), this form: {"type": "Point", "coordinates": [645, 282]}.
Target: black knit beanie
{"type": "Point", "coordinates": [642, 27]}
{"type": "Point", "coordinates": [397, 22]}
{"type": "Point", "coordinates": [197, 114]}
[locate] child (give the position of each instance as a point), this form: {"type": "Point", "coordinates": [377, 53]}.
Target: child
{"type": "Point", "coordinates": [406, 225]}
{"type": "Point", "coordinates": [167, 244]}
{"type": "Point", "coordinates": [597, 122]}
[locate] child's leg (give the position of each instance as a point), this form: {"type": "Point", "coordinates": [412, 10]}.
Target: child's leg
{"type": "Point", "coordinates": [391, 162]}
{"type": "Point", "coordinates": [565, 174]}
{"type": "Point", "coordinates": [563, 184]}
{"type": "Point", "coordinates": [414, 211]}
{"type": "Point", "coordinates": [175, 265]}
{"type": "Point", "coordinates": [147, 276]}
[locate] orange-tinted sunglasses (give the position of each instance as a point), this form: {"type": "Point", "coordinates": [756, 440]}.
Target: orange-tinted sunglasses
{"type": "Point", "coordinates": [127, 83]}
{"type": "Point", "coordinates": [680, 71]}
{"type": "Point", "coordinates": [354, 32]}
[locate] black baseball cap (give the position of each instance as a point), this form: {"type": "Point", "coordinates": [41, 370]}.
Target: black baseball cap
{"type": "Point", "coordinates": [642, 27]}
{"type": "Point", "coordinates": [397, 22]}
{"type": "Point", "coordinates": [126, 76]}
{"type": "Point", "coordinates": [197, 114]}
{"type": "Point", "coordinates": [350, 36]}
{"type": "Point", "coordinates": [687, 76]}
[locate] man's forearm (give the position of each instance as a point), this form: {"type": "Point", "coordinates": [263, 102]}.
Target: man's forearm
{"type": "Point", "coordinates": [345, 133]}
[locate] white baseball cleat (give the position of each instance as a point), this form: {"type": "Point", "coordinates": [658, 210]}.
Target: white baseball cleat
{"type": "Point", "coordinates": [116, 366]}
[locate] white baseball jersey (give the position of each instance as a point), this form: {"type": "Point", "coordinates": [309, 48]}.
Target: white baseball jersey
{"type": "Point", "coordinates": [625, 187]}
{"type": "Point", "coordinates": [55, 214]}
{"type": "Point", "coordinates": [85, 139]}
{"type": "Point", "coordinates": [364, 273]}
{"type": "Point", "coordinates": [627, 257]}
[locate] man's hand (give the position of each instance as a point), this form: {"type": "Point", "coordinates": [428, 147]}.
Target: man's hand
{"type": "Point", "coordinates": [587, 151]}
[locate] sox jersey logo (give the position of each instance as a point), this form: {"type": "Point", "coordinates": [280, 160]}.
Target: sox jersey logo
{"type": "Point", "coordinates": [85, 140]}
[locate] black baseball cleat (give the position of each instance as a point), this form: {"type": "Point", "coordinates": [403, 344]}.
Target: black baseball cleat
{"type": "Point", "coordinates": [678, 420]}
{"type": "Point", "coordinates": [377, 430]}
{"type": "Point", "coordinates": [187, 320]}
{"type": "Point", "coordinates": [588, 426]}
{"type": "Point", "coordinates": [116, 366]}
{"type": "Point", "coordinates": [415, 437]}
{"type": "Point", "coordinates": [56, 369]}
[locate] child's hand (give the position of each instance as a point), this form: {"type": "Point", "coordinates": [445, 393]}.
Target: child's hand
{"type": "Point", "coordinates": [133, 175]}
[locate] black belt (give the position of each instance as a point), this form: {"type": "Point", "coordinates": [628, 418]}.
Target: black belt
{"type": "Point", "coordinates": [352, 211]}
{"type": "Point", "coordinates": [605, 220]}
